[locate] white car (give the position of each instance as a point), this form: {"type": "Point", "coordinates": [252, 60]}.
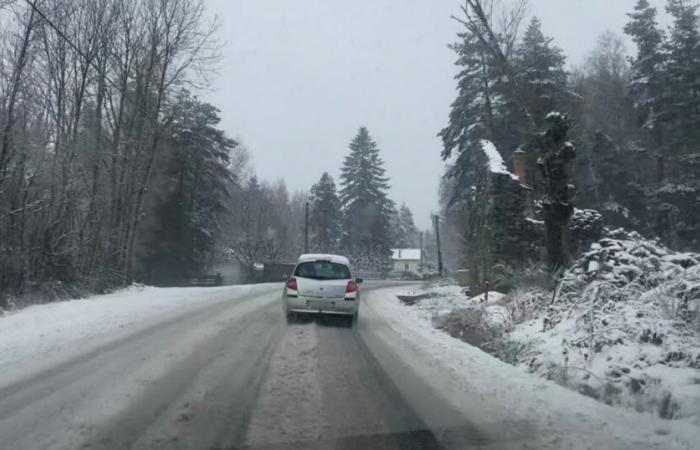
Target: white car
{"type": "Point", "coordinates": [322, 284]}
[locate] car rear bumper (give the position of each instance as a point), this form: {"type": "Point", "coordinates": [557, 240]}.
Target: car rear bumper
{"type": "Point", "coordinates": [339, 306]}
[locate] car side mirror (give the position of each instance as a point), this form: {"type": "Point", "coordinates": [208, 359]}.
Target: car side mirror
{"type": "Point", "coordinates": [359, 280]}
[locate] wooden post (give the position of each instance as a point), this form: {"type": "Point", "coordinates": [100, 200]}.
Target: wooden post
{"type": "Point", "coordinates": [436, 220]}
{"type": "Point", "coordinates": [420, 261]}
{"type": "Point", "coordinates": [306, 228]}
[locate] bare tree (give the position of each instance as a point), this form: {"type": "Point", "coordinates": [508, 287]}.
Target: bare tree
{"type": "Point", "coordinates": [86, 86]}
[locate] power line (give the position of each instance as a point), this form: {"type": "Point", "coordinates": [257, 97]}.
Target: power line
{"type": "Point", "coordinates": [62, 35]}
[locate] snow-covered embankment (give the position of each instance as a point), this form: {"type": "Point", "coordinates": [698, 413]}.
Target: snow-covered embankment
{"type": "Point", "coordinates": [503, 401]}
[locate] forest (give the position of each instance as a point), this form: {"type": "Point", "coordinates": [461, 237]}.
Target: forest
{"type": "Point", "coordinates": [610, 143]}
{"type": "Point", "coordinates": [114, 171]}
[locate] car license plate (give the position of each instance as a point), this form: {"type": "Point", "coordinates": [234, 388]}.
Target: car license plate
{"type": "Point", "coordinates": [320, 304]}
{"type": "Point", "coordinates": [316, 304]}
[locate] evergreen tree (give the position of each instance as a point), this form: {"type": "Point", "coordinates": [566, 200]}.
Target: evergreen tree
{"type": "Point", "coordinates": [405, 231]}
{"type": "Point", "coordinates": [647, 66]}
{"type": "Point", "coordinates": [682, 78]}
{"type": "Point", "coordinates": [475, 114]}
{"type": "Point", "coordinates": [363, 196]}
{"type": "Point", "coordinates": [195, 187]}
{"type": "Point", "coordinates": [484, 109]}
{"type": "Point", "coordinates": [325, 215]}
{"type": "Point", "coordinates": [542, 78]}
{"type": "Point", "coordinates": [543, 88]}
{"type": "Point", "coordinates": [472, 113]}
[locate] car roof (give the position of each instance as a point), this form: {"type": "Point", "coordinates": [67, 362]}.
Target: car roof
{"type": "Point", "coordinates": [324, 257]}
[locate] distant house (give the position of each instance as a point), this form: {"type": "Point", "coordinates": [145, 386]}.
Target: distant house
{"type": "Point", "coordinates": [406, 259]}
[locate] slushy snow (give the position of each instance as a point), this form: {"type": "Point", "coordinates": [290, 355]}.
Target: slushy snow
{"type": "Point", "coordinates": [37, 334]}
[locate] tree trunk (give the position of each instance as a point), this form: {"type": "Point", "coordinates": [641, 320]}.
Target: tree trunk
{"type": "Point", "coordinates": [12, 97]}
{"type": "Point", "coordinates": [555, 155]}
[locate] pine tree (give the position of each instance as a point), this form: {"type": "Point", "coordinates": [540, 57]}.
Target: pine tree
{"type": "Point", "coordinates": [325, 215]}
{"type": "Point", "coordinates": [477, 113]}
{"type": "Point", "coordinates": [483, 109]}
{"type": "Point", "coordinates": [542, 83]}
{"type": "Point", "coordinates": [404, 229]}
{"type": "Point", "coordinates": [195, 188]}
{"type": "Point", "coordinates": [363, 196]}
{"type": "Point", "coordinates": [647, 66]}
{"type": "Point", "coordinates": [542, 78]}
{"type": "Point", "coordinates": [682, 78]}
{"type": "Point", "coordinates": [472, 115]}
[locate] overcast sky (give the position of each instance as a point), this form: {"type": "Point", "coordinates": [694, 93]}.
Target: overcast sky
{"type": "Point", "coordinates": [297, 78]}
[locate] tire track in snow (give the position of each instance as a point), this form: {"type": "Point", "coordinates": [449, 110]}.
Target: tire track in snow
{"type": "Point", "coordinates": [289, 407]}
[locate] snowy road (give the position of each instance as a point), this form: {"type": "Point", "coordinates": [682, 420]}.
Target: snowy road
{"type": "Point", "coordinates": [219, 368]}
{"type": "Point", "coordinates": [230, 373]}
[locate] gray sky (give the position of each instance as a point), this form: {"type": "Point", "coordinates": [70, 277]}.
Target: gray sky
{"type": "Point", "coordinates": [297, 78]}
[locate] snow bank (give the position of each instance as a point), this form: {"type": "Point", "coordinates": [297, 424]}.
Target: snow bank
{"type": "Point", "coordinates": [40, 332]}
{"type": "Point", "coordinates": [508, 404]}
{"type": "Point", "coordinates": [624, 328]}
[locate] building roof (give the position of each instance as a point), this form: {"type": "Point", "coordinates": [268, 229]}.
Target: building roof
{"type": "Point", "coordinates": [405, 254]}
{"type": "Point", "coordinates": [324, 257]}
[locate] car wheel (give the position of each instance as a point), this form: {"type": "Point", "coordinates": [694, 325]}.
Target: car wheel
{"type": "Point", "coordinates": [291, 318]}
{"type": "Point", "coordinates": [353, 319]}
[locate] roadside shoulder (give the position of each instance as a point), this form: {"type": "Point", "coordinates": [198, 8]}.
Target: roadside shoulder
{"type": "Point", "coordinates": [503, 400]}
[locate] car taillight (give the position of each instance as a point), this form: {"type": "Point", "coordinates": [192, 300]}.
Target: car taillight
{"type": "Point", "coordinates": [351, 287]}
{"type": "Point", "coordinates": [292, 284]}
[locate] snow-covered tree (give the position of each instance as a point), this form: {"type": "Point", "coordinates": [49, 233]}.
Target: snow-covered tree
{"type": "Point", "coordinates": [325, 215]}
{"type": "Point", "coordinates": [555, 156]}
{"type": "Point", "coordinates": [367, 208]}
{"type": "Point", "coordinates": [405, 233]}
{"type": "Point", "coordinates": [194, 188]}
{"type": "Point", "coordinates": [647, 66]}
{"type": "Point", "coordinates": [477, 113]}
{"type": "Point", "coordinates": [541, 75]}
{"type": "Point", "coordinates": [682, 76]}
{"type": "Point", "coordinates": [473, 114]}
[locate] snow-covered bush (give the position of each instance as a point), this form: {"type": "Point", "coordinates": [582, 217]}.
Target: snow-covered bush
{"type": "Point", "coordinates": [622, 327]}
{"type": "Point", "coordinates": [507, 278]}
{"type": "Point", "coordinates": [587, 223]}
{"type": "Point", "coordinates": [7, 303]}
{"type": "Point", "coordinates": [470, 325]}
{"type": "Point", "coordinates": [587, 226]}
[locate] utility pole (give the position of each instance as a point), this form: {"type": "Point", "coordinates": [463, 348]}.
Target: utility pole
{"type": "Point", "coordinates": [436, 220]}
{"type": "Point", "coordinates": [306, 228]}
{"type": "Point", "coordinates": [421, 249]}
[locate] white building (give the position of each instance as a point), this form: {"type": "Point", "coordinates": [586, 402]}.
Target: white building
{"type": "Point", "coordinates": [406, 259]}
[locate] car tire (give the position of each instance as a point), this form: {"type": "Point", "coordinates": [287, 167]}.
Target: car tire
{"type": "Point", "coordinates": [291, 318]}
{"type": "Point", "coordinates": [353, 319]}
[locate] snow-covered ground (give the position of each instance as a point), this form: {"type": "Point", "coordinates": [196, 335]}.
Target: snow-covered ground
{"type": "Point", "coordinates": [623, 326]}
{"type": "Point", "coordinates": [492, 393]}
{"type": "Point", "coordinates": [36, 336]}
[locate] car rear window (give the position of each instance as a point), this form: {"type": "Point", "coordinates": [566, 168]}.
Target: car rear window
{"type": "Point", "coordinates": [322, 270]}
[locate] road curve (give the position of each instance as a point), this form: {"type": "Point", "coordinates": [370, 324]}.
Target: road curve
{"type": "Point", "coordinates": [231, 375]}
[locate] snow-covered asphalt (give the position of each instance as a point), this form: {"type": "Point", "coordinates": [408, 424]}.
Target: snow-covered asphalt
{"type": "Point", "coordinates": [219, 368]}
{"type": "Point", "coordinates": [226, 373]}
